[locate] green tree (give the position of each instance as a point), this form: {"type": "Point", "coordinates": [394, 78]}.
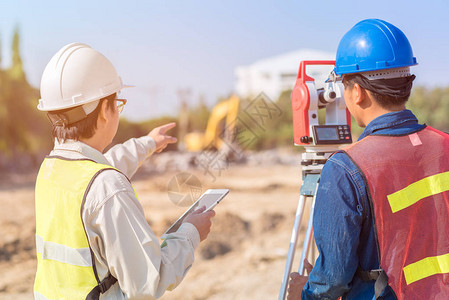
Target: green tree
{"type": "Point", "coordinates": [16, 71]}
{"type": "Point", "coordinates": [21, 124]}
{"type": "Point", "coordinates": [22, 127]}
{"type": "Point", "coordinates": [278, 129]}
{"type": "Point", "coordinates": [431, 106]}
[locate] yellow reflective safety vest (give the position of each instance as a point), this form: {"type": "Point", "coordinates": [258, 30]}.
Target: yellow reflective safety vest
{"type": "Point", "coordinates": [65, 262]}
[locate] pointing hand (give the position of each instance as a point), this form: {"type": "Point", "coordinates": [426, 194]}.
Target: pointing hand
{"type": "Point", "coordinates": [161, 139]}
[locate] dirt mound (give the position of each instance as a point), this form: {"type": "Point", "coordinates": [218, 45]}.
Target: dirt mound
{"type": "Point", "coordinates": [269, 222]}
{"type": "Point", "coordinates": [228, 233]}
{"type": "Point", "coordinates": [17, 256]}
{"type": "Point", "coordinates": [17, 243]}
{"type": "Point", "coordinates": [214, 247]}
{"type": "Point", "coordinates": [229, 224]}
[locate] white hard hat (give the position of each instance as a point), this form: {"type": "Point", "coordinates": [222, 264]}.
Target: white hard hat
{"type": "Point", "coordinates": [77, 75]}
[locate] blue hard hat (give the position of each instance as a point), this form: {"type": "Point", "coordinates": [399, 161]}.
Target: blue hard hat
{"type": "Point", "coordinates": [373, 45]}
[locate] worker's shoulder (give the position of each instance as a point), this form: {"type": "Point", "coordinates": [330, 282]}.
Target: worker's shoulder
{"type": "Point", "coordinates": [341, 169]}
{"type": "Point", "coordinates": [104, 185]}
{"type": "Point", "coordinates": [341, 160]}
{"type": "Point", "coordinates": [110, 179]}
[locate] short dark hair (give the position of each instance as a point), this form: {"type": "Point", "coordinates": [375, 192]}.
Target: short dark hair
{"type": "Point", "coordinates": [84, 128]}
{"type": "Point", "coordinates": [401, 92]}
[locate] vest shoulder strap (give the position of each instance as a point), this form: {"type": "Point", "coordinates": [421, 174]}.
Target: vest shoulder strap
{"type": "Point", "coordinates": [102, 287]}
{"type": "Point", "coordinates": [109, 280]}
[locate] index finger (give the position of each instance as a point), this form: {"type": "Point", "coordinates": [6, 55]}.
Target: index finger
{"type": "Point", "coordinates": [164, 128]}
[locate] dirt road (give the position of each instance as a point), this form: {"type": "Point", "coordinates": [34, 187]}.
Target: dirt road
{"type": "Point", "coordinates": [243, 257]}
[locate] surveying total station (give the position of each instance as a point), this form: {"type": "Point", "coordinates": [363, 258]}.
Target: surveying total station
{"type": "Point", "coordinates": [319, 141]}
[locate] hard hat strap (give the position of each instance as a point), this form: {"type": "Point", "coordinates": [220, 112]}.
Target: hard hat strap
{"type": "Point", "coordinates": [67, 117]}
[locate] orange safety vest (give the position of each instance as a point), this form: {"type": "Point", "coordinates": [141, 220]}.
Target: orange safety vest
{"type": "Point", "coordinates": [408, 181]}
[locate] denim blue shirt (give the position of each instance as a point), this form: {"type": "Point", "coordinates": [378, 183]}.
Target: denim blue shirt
{"type": "Point", "coordinates": [343, 224]}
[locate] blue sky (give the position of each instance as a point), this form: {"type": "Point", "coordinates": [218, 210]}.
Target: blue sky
{"type": "Point", "coordinates": [163, 46]}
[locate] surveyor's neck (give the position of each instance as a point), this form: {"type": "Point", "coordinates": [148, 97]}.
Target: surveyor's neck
{"type": "Point", "coordinates": [377, 111]}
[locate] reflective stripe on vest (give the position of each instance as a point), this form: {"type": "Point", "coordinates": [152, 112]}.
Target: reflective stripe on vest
{"type": "Point", "coordinates": [419, 190]}
{"type": "Point", "coordinates": [49, 250]}
{"type": "Point", "coordinates": [39, 296]}
{"type": "Point", "coordinates": [408, 181]}
{"type": "Point", "coordinates": [65, 268]}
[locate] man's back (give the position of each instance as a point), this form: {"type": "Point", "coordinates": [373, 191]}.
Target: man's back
{"type": "Point", "coordinates": [343, 214]}
{"type": "Point", "coordinates": [406, 177]}
{"type": "Point", "coordinates": [118, 233]}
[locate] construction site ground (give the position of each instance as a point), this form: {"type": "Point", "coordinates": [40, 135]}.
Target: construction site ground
{"type": "Point", "coordinates": [243, 258]}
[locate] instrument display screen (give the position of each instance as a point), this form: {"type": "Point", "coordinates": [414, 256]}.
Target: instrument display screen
{"type": "Point", "coordinates": [332, 134]}
{"type": "Point", "coordinates": [327, 133]}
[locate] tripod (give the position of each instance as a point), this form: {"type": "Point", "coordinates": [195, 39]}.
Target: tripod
{"type": "Point", "coordinates": [312, 162]}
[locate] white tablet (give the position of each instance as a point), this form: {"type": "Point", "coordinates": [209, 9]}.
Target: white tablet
{"type": "Point", "coordinates": [209, 199]}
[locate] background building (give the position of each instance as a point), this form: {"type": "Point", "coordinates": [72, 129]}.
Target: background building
{"type": "Point", "coordinates": [276, 74]}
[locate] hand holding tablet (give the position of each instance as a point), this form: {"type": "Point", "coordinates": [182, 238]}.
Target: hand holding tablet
{"type": "Point", "coordinates": [208, 200]}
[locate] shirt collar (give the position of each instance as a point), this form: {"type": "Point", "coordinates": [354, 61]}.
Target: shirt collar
{"type": "Point", "coordinates": [388, 120]}
{"type": "Point", "coordinates": [77, 149]}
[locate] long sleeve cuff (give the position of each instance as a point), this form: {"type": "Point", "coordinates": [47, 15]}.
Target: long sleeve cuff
{"type": "Point", "coordinates": [149, 143]}
{"type": "Point", "coordinates": [191, 232]}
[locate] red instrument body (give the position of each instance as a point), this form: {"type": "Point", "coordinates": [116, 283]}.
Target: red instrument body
{"type": "Point", "coordinates": [301, 100]}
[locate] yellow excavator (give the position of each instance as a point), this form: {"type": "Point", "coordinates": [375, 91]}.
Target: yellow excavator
{"type": "Point", "coordinates": [221, 124]}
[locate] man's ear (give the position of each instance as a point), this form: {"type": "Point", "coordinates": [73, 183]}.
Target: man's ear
{"type": "Point", "coordinates": [103, 116]}
{"type": "Point", "coordinates": [359, 94]}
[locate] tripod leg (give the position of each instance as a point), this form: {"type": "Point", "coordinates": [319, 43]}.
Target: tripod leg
{"type": "Point", "coordinates": [313, 250]}
{"type": "Point", "coordinates": [292, 247]}
{"type": "Point", "coordinates": [307, 239]}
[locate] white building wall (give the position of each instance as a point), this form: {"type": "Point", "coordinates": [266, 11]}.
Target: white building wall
{"type": "Point", "coordinates": [276, 74]}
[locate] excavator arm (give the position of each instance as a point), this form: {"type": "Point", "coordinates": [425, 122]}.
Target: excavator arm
{"type": "Point", "coordinates": [223, 117]}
